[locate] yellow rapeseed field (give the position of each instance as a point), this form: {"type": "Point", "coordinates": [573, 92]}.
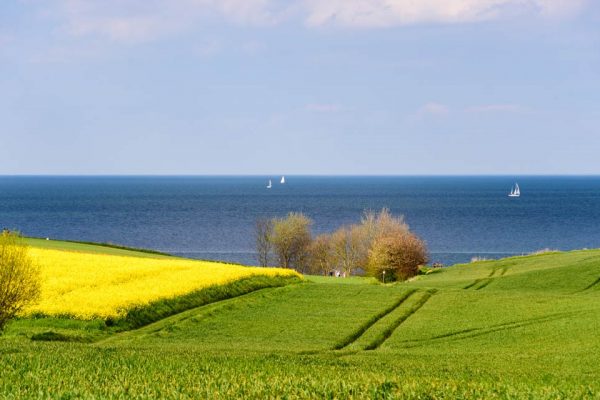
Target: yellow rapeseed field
{"type": "Point", "coordinates": [87, 285]}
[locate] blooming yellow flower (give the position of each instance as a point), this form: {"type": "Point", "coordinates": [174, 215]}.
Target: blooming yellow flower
{"type": "Point", "coordinates": [89, 285]}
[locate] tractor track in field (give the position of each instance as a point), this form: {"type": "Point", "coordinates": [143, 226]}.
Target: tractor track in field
{"type": "Point", "coordinates": [475, 332]}
{"type": "Point", "coordinates": [481, 283]}
{"type": "Point", "coordinates": [591, 285]}
{"type": "Point", "coordinates": [484, 283]}
{"type": "Point", "coordinates": [363, 328]}
{"type": "Point", "coordinates": [475, 282]}
{"type": "Point", "coordinates": [396, 324]}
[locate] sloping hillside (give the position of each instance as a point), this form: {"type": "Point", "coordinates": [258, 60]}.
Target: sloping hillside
{"type": "Point", "coordinates": [521, 327]}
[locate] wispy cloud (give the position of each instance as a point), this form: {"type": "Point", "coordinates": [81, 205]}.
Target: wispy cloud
{"type": "Point", "coordinates": [323, 107]}
{"type": "Point", "coordinates": [433, 109]}
{"type": "Point", "coordinates": [385, 13]}
{"type": "Point", "coordinates": [134, 21]}
{"type": "Point", "coordinates": [496, 108]}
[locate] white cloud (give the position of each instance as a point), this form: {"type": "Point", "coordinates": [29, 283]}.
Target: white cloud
{"type": "Point", "coordinates": [385, 13]}
{"type": "Point", "coordinates": [134, 21]}
{"type": "Point", "coordinates": [143, 20]}
{"type": "Point", "coordinates": [435, 109]}
{"type": "Point", "coordinates": [323, 107]}
{"type": "Point", "coordinates": [491, 108]}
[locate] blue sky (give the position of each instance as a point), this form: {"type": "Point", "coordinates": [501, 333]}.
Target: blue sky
{"type": "Point", "coordinates": [300, 87]}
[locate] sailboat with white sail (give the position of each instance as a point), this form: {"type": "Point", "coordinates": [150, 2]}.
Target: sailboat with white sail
{"type": "Point", "coordinates": [515, 191]}
{"type": "Point", "coordinates": [270, 185]}
{"type": "Point", "coordinates": [282, 180]}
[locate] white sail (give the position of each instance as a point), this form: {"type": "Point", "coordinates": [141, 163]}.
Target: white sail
{"type": "Point", "coordinates": [269, 185]}
{"type": "Point", "coordinates": [515, 191]}
{"type": "Point", "coordinates": [283, 179]}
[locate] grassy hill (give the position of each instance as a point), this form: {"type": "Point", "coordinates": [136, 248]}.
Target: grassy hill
{"type": "Point", "coordinates": [99, 248]}
{"type": "Point", "coordinates": [521, 327]}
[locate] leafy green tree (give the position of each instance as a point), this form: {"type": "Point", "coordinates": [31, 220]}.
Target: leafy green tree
{"type": "Point", "coordinates": [291, 238]}
{"type": "Point", "coordinates": [20, 279]}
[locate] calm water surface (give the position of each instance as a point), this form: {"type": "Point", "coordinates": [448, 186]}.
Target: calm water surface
{"type": "Point", "coordinates": [213, 217]}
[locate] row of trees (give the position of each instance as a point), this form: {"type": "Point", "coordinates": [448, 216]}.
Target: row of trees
{"type": "Point", "coordinates": [381, 245]}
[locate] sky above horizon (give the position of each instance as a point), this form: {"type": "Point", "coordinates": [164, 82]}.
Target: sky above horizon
{"type": "Point", "coordinates": [299, 87]}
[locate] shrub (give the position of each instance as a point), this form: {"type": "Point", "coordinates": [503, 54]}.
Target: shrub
{"type": "Point", "coordinates": [52, 336]}
{"type": "Point", "coordinates": [378, 225]}
{"type": "Point", "coordinates": [543, 251]}
{"type": "Point", "coordinates": [19, 277]}
{"type": "Point", "coordinates": [352, 244]}
{"type": "Point", "coordinates": [399, 256]}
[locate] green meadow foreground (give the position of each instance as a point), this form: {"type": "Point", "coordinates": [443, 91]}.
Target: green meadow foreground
{"type": "Point", "coordinates": [521, 327]}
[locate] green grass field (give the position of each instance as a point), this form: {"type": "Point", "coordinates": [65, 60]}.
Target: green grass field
{"type": "Point", "coordinates": [521, 327]}
{"type": "Point", "coordinates": [104, 248]}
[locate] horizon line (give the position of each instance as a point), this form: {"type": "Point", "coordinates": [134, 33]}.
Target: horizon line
{"type": "Point", "coordinates": [299, 175]}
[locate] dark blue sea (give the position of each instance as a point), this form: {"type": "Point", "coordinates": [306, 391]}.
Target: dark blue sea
{"type": "Point", "coordinates": [213, 217]}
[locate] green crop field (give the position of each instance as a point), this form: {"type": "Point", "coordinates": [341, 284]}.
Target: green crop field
{"type": "Point", "coordinates": [521, 327]}
{"type": "Point", "coordinates": [85, 247]}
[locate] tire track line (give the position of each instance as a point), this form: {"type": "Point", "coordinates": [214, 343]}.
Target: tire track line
{"type": "Point", "coordinates": [390, 330]}
{"type": "Point", "coordinates": [481, 283]}
{"type": "Point", "coordinates": [475, 332]}
{"type": "Point", "coordinates": [588, 287]}
{"type": "Point", "coordinates": [372, 321]}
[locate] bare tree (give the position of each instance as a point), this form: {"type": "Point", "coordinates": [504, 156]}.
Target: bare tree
{"type": "Point", "coordinates": [377, 225]}
{"type": "Point", "coordinates": [321, 259]}
{"type": "Point", "coordinates": [291, 238]}
{"type": "Point", "coordinates": [263, 232]}
{"type": "Point", "coordinates": [19, 277]}
{"type": "Point", "coordinates": [347, 244]}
